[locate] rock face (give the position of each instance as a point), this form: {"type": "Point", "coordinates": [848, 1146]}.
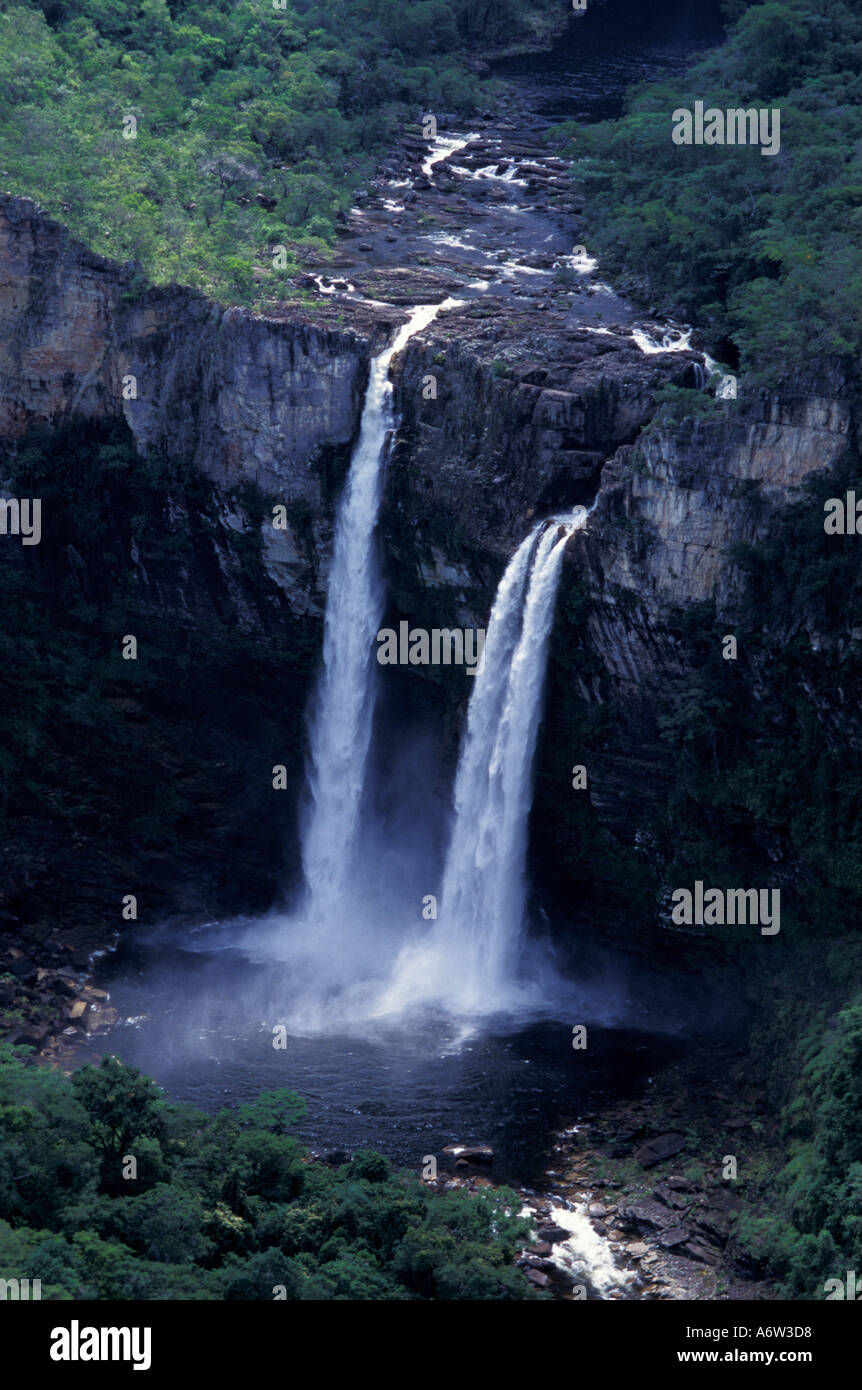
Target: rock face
{"type": "Point", "coordinates": [522, 421]}
{"type": "Point", "coordinates": [509, 411]}
{"type": "Point", "coordinates": [273, 402]}
{"type": "Point", "coordinates": [673, 506]}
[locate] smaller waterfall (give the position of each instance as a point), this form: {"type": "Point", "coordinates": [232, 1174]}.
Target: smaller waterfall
{"type": "Point", "coordinates": [671, 339]}
{"type": "Point", "coordinates": [470, 962]}
{"type": "Point", "coordinates": [726, 388]}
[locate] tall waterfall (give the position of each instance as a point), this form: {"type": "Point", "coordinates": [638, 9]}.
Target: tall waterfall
{"type": "Point", "coordinates": [343, 706]}
{"type": "Point", "coordinates": [470, 960]}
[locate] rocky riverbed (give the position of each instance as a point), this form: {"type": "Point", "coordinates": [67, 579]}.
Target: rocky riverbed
{"type": "Point", "coordinates": [638, 1202]}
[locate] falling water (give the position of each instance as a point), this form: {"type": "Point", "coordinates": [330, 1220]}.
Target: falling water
{"type": "Point", "coordinates": [343, 706]}
{"type": "Point", "coordinates": [471, 958]}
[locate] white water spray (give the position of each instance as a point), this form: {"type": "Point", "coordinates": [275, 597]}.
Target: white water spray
{"type": "Point", "coordinates": [344, 703]}
{"type": "Point", "coordinates": [443, 147]}
{"type": "Point", "coordinates": [471, 959]}
{"type": "Point", "coordinates": [671, 340]}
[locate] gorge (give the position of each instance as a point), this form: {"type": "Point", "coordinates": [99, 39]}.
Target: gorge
{"type": "Point", "coordinates": [464, 422]}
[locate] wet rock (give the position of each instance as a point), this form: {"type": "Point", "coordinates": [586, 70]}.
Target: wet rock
{"type": "Point", "coordinates": [645, 1215]}
{"type": "Point", "coordinates": [661, 1147]}
{"type": "Point", "coordinates": [553, 1235]}
{"type": "Point", "coordinates": [673, 1236]}
{"type": "Point", "coordinates": [94, 995]}
{"type": "Point", "coordinates": [538, 1278]}
{"type": "Point", "coordinates": [99, 1018]}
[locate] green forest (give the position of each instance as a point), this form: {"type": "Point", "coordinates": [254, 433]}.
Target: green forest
{"type": "Point", "coordinates": [764, 253]}
{"type": "Point", "coordinates": [224, 1206]}
{"type": "Point", "coordinates": [192, 138]}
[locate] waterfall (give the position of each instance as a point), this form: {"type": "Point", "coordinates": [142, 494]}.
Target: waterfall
{"type": "Point", "coordinates": [725, 388]}
{"type": "Point", "coordinates": [471, 958]}
{"type": "Point", "coordinates": [343, 705]}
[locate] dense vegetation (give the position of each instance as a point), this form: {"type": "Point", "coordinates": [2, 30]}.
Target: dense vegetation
{"type": "Point", "coordinates": [802, 1224]}
{"type": "Point", "coordinates": [196, 136]}
{"type": "Point", "coordinates": [764, 251]}
{"type": "Point", "coordinates": [105, 761]}
{"type": "Point", "coordinates": [226, 1206]}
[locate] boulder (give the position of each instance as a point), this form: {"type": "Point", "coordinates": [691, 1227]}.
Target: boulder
{"type": "Point", "coordinates": [100, 1018]}
{"type": "Point", "coordinates": [661, 1147]}
{"type": "Point", "coordinates": [552, 1235]}
{"type": "Point", "coordinates": [645, 1215]}
{"type": "Point", "coordinates": [673, 1236]}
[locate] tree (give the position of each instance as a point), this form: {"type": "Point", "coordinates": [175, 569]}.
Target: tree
{"type": "Point", "coordinates": [121, 1105]}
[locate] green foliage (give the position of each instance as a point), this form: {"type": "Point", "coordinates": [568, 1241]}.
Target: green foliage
{"type": "Point", "coordinates": [766, 252]}
{"type": "Point", "coordinates": [274, 1111]}
{"type": "Point", "coordinates": [813, 1230]}
{"type": "Point", "coordinates": [135, 545]}
{"type": "Point", "coordinates": [253, 125]}
{"type": "Point", "coordinates": [239, 1210]}
{"type": "Point", "coordinates": [679, 405]}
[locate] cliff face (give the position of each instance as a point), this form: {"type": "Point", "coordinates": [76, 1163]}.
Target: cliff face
{"type": "Point", "coordinates": [520, 422]}
{"type": "Point", "coordinates": [672, 507]}
{"type": "Point", "coordinates": [503, 421]}
{"type": "Point", "coordinates": [641, 683]}
{"type": "Point", "coordinates": [245, 398]}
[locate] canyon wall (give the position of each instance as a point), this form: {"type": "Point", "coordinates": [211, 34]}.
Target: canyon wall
{"type": "Point", "coordinates": [503, 420]}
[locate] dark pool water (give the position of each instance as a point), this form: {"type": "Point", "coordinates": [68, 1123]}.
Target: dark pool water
{"type": "Point", "coordinates": [407, 1087]}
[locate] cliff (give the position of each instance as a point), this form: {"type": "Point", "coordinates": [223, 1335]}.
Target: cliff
{"type": "Point", "coordinates": [507, 413]}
